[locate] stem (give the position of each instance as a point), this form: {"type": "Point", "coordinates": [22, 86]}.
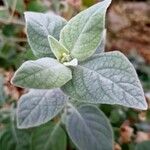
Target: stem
{"type": "Point", "coordinates": [17, 39]}
{"type": "Point", "coordinates": [13, 21]}
{"type": "Point", "coordinates": [13, 11]}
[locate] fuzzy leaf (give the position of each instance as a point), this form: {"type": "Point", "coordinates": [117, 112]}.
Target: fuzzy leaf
{"type": "Point", "coordinates": [44, 73]}
{"type": "Point", "coordinates": [83, 33]}
{"type": "Point", "coordinates": [57, 48]}
{"type": "Point", "coordinates": [107, 78]}
{"type": "Point", "coordinates": [101, 47]}
{"type": "Point", "coordinates": [39, 26]}
{"type": "Point", "coordinates": [89, 129]}
{"type": "Point", "coordinates": [39, 106]}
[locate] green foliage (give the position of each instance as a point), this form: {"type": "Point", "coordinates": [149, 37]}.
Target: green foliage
{"type": "Point", "coordinates": [83, 33]}
{"type": "Point", "coordinates": [113, 80]}
{"type": "Point", "coordinates": [143, 146]}
{"type": "Point", "coordinates": [39, 26]}
{"type": "Point", "coordinates": [44, 73]}
{"type": "Point", "coordinates": [79, 68]}
{"type": "Point", "coordinates": [57, 48]}
{"type": "Point", "coordinates": [50, 136]}
{"type": "Point", "coordinates": [36, 5]}
{"type": "Point", "coordinates": [94, 131]}
{"type": "Point", "coordinates": [45, 137]}
{"type": "Point", "coordinates": [39, 106]}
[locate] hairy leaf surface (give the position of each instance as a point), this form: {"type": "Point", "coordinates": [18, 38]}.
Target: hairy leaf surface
{"type": "Point", "coordinates": [101, 47]}
{"type": "Point", "coordinates": [44, 73]}
{"type": "Point", "coordinates": [57, 48]}
{"type": "Point", "coordinates": [39, 26]}
{"type": "Point", "coordinates": [107, 78]}
{"type": "Point", "coordinates": [89, 129]}
{"type": "Point", "coordinates": [39, 106]}
{"type": "Point", "coordinates": [83, 33]}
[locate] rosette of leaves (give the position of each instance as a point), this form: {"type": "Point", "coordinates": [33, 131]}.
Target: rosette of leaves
{"type": "Point", "coordinates": [73, 67]}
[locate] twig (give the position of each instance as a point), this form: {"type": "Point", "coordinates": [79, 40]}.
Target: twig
{"type": "Point", "coordinates": [13, 11]}
{"type": "Point", "coordinates": [13, 21]}
{"type": "Point", "coordinates": [17, 39]}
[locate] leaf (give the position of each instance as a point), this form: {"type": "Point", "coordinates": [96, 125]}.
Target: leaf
{"type": "Point", "coordinates": [39, 106]}
{"type": "Point", "coordinates": [143, 145]}
{"type": "Point", "coordinates": [6, 140]}
{"type": "Point", "coordinates": [107, 78]}
{"type": "Point", "coordinates": [101, 47]}
{"type": "Point", "coordinates": [23, 139]}
{"type": "Point", "coordinates": [37, 6]}
{"type": "Point", "coordinates": [83, 33]}
{"type": "Point", "coordinates": [88, 3]}
{"type": "Point", "coordinates": [49, 137]}
{"type": "Point", "coordinates": [44, 73]}
{"type": "Point", "coordinates": [73, 62]}
{"type": "Point", "coordinates": [39, 26]}
{"type": "Point", "coordinates": [89, 129]}
{"type": "Point", "coordinates": [57, 48]}
{"type": "Point", "coordinates": [20, 140]}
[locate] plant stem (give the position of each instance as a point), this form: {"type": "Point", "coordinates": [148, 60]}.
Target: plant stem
{"type": "Point", "coordinates": [13, 21]}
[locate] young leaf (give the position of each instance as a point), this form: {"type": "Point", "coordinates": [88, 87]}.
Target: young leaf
{"type": "Point", "coordinates": [83, 33]}
{"type": "Point", "coordinates": [39, 106]}
{"type": "Point", "coordinates": [73, 62]}
{"type": "Point", "coordinates": [107, 78]}
{"type": "Point", "coordinates": [49, 137]}
{"type": "Point", "coordinates": [89, 129]}
{"type": "Point", "coordinates": [44, 73]}
{"type": "Point", "coordinates": [57, 48]}
{"type": "Point", "coordinates": [39, 26]}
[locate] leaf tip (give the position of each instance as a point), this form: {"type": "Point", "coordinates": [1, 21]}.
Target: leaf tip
{"type": "Point", "coordinates": [12, 81]}
{"type": "Point", "coordinates": [26, 14]}
{"type": "Point", "coordinates": [145, 105]}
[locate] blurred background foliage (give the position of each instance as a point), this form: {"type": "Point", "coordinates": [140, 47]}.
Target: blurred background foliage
{"type": "Point", "coordinates": [128, 30]}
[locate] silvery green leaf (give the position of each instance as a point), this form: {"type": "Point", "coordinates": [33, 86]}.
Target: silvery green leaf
{"type": "Point", "coordinates": [89, 129]}
{"type": "Point", "coordinates": [44, 73]}
{"type": "Point", "coordinates": [83, 33]}
{"type": "Point", "coordinates": [39, 26]}
{"type": "Point", "coordinates": [57, 48]}
{"type": "Point", "coordinates": [49, 137]}
{"type": "Point", "coordinates": [39, 106]}
{"type": "Point", "coordinates": [107, 78]}
{"type": "Point", "coordinates": [101, 47]}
